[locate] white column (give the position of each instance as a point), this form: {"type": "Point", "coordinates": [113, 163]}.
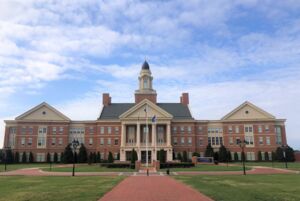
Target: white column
{"type": "Point", "coordinates": [138, 135]}
{"type": "Point", "coordinates": [168, 134]}
{"type": "Point", "coordinates": [169, 154]}
{"type": "Point", "coordinates": [154, 136]}
{"type": "Point", "coordinates": [123, 135]}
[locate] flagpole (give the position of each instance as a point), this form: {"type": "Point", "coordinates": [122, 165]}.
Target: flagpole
{"type": "Point", "coordinates": [147, 132]}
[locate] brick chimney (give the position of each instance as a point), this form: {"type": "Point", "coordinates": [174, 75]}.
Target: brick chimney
{"type": "Point", "coordinates": [184, 99]}
{"type": "Point", "coordinates": [106, 99]}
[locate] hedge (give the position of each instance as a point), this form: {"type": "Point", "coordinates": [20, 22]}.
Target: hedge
{"type": "Point", "coordinates": [176, 165]}
{"type": "Point", "coordinates": [117, 165]}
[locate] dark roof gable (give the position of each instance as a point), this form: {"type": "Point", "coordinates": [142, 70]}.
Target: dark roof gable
{"type": "Point", "coordinates": [114, 110]}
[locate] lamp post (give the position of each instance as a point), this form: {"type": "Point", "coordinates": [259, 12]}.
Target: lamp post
{"type": "Point", "coordinates": [74, 144]}
{"type": "Point", "coordinates": [242, 144]}
{"type": "Point", "coordinates": [6, 149]}
{"type": "Point", "coordinates": [284, 148]}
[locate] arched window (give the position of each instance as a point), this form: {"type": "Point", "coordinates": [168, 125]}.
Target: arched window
{"type": "Point", "coordinates": [146, 84]}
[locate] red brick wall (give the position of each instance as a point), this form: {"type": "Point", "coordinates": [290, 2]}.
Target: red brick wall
{"type": "Point", "coordinates": [150, 97]}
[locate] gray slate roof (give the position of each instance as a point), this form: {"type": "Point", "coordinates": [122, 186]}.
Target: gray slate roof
{"type": "Point", "coordinates": [114, 110]}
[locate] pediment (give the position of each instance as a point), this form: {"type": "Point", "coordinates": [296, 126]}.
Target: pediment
{"type": "Point", "coordinates": [248, 111]}
{"type": "Point", "coordinates": [138, 111]}
{"type": "Point", "coordinates": [43, 112]}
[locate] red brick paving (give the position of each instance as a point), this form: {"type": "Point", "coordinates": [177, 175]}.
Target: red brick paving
{"type": "Point", "coordinates": [153, 188]}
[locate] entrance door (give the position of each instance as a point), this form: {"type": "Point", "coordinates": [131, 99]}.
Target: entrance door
{"type": "Point", "coordinates": [143, 154]}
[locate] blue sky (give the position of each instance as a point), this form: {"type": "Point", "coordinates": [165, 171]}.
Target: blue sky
{"type": "Point", "coordinates": [223, 53]}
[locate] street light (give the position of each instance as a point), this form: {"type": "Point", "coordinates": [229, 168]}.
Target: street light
{"type": "Point", "coordinates": [74, 144]}
{"type": "Point", "coordinates": [6, 149]}
{"type": "Point", "coordinates": [284, 148]}
{"type": "Point", "coordinates": [242, 144]}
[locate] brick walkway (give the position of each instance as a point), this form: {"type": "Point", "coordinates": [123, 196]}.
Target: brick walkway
{"type": "Point", "coordinates": [153, 188]}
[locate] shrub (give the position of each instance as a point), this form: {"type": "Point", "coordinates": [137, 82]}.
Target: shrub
{"type": "Point", "coordinates": [110, 158]}
{"type": "Point", "coordinates": [179, 157]}
{"type": "Point", "coordinates": [116, 165]}
{"type": "Point", "coordinates": [31, 159]}
{"type": "Point", "coordinates": [24, 157]}
{"type": "Point", "coordinates": [209, 152]}
{"type": "Point", "coordinates": [68, 154]}
{"type": "Point", "coordinates": [55, 157]}
{"type": "Point", "coordinates": [236, 156]}
{"type": "Point", "coordinates": [176, 165]}
{"type": "Point", "coordinates": [82, 156]}
{"type": "Point", "coordinates": [17, 157]}
{"type": "Point", "coordinates": [259, 156]}
{"type": "Point", "coordinates": [223, 154]}
{"type": "Point", "coordinates": [196, 154]}
{"type": "Point", "coordinates": [184, 156]}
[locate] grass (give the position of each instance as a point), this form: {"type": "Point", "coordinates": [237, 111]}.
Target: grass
{"type": "Point", "coordinates": [11, 167]}
{"type": "Point", "coordinates": [246, 188]}
{"type": "Point", "coordinates": [87, 168]}
{"type": "Point", "coordinates": [21, 188]}
{"type": "Point", "coordinates": [207, 167]}
{"type": "Point", "coordinates": [291, 165]}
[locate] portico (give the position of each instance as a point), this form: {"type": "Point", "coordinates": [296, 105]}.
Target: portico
{"type": "Point", "coordinates": [134, 133]}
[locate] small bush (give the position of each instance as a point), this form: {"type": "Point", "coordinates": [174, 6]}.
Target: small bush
{"type": "Point", "coordinates": [176, 165]}
{"type": "Point", "coordinates": [116, 165]}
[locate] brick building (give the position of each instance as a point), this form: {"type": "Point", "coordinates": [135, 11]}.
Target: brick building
{"type": "Point", "coordinates": [122, 127]}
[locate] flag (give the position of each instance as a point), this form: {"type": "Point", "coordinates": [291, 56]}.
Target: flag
{"type": "Point", "coordinates": [154, 119]}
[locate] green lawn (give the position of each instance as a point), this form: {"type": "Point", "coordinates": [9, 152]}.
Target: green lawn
{"type": "Point", "coordinates": [291, 165]}
{"type": "Point", "coordinates": [207, 167]}
{"type": "Point", "coordinates": [21, 166]}
{"type": "Point", "coordinates": [246, 188]}
{"type": "Point", "coordinates": [20, 188]}
{"type": "Point", "coordinates": [87, 168]}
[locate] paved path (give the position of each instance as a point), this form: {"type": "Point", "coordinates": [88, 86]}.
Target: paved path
{"type": "Point", "coordinates": [39, 172]}
{"type": "Point", "coordinates": [153, 188]}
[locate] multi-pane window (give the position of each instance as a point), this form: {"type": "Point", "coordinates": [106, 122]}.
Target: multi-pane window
{"type": "Point", "coordinates": [189, 140]}
{"type": "Point", "coordinates": [77, 133]}
{"type": "Point", "coordinates": [109, 130]}
{"type": "Point", "coordinates": [209, 140]}
{"type": "Point", "coordinates": [175, 140]}
{"type": "Point", "coordinates": [237, 129]}
{"type": "Point", "coordinates": [116, 130]}
{"type": "Point", "coordinates": [200, 129]}
{"type": "Point", "coordinates": [91, 141]}
{"type": "Point", "coordinates": [101, 141]}
{"type": "Point", "coordinates": [267, 128]}
{"type": "Point", "coordinates": [189, 129]}
{"type": "Point", "coordinates": [182, 140]}
{"type": "Point", "coordinates": [174, 129]}
{"type": "Point", "coordinates": [116, 156]}
{"type": "Point", "coordinates": [116, 141]}
{"type": "Point", "coordinates": [182, 129]}
{"type": "Point", "coordinates": [260, 129]}
{"type": "Point", "coordinates": [229, 129]}
{"type": "Point", "coordinates": [213, 141]}
{"type": "Point", "coordinates": [278, 135]}
{"type": "Point", "coordinates": [160, 134]}
{"type": "Point", "coordinates": [268, 141]}
{"type": "Point", "coordinates": [101, 130]}
{"type": "Point", "coordinates": [53, 141]}
{"type": "Point", "coordinates": [41, 140]}
{"type": "Point", "coordinates": [200, 141]}
{"type": "Point", "coordinates": [261, 140]}
{"type": "Point", "coordinates": [248, 129]}
{"type": "Point", "coordinates": [60, 141]}
{"type": "Point", "coordinates": [23, 141]}
{"type": "Point", "coordinates": [23, 130]}
{"type": "Point", "coordinates": [249, 140]}
{"type": "Point", "coordinates": [29, 143]}
{"type": "Point", "coordinates": [214, 130]}
{"type": "Point", "coordinates": [54, 130]}
{"type": "Point", "coordinates": [91, 130]}
{"type": "Point", "coordinates": [61, 130]}
{"type": "Point", "coordinates": [108, 141]}
{"type": "Point", "coordinates": [237, 140]}
{"type": "Point", "coordinates": [230, 140]}
{"type": "Point", "coordinates": [30, 130]}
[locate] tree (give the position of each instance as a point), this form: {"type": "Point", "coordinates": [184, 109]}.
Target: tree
{"type": "Point", "coordinates": [209, 152]}
{"type": "Point", "coordinates": [1, 155]}
{"type": "Point", "coordinates": [90, 159]}
{"type": "Point", "coordinates": [31, 159]}
{"type": "Point", "coordinates": [266, 156]}
{"type": "Point", "coordinates": [274, 157]}
{"type": "Point", "coordinates": [48, 158]}
{"type": "Point", "coordinates": [196, 154]}
{"type": "Point", "coordinates": [133, 157]}
{"type": "Point", "coordinates": [17, 157]}
{"type": "Point", "coordinates": [222, 154]}
{"type": "Point", "coordinates": [68, 154]}
{"type": "Point", "coordinates": [259, 156]}
{"type": "Point", "coordinates": [229, 159]}
{"type": "Point", "coordinates": [279, 154]}
{"type": "Point", "coordinates": [94, 157]}
{"type": "Point", "coordinates": [110, 157]}
{"type": "Point", "coordinates": [216, 156]}
{"type": "Point", "coordinates": [243, 156]}
{"type": "Point", "coordinates": [118, 156]}
{"type": "Point", "coordinates": [9, 156]}
{"type": "Point", "coordinates": [184, 156]}
{"type": "Point", "coordinates": [98, 157]}
{"type": "Point", "coordinates": [55, 157]}
{"type": "Point", "coordinates": [290, 154]}
{"type": "Point", "coordinates": [82, 156]}
{"type": "Point", "coordinates": [24, 157]}
{"type": "Point", "coordinates": [62, 157]}
{"type": "Point", "coordinates": [236, 156]}
{"type": "Point", "coordinates": [179, 157]}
